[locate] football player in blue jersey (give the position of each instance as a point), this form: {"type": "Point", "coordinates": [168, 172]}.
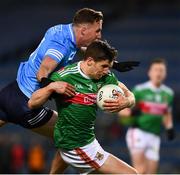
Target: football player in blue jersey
{"type": "Point", "coordinates": [56, 49]}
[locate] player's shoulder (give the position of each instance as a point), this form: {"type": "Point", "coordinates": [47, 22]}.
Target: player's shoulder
{"type": "Point", "coordinates": [68, 70]}
{"type": "Point", "coordinates": [142, 86]}
{"type": "Point", "coordinates": [167, 89]}
{"type": "Point", "coordinates": [109, 78]}
{"type": "Point", "coordinates": [110, 74]}
{"type": "Point", "coordinates": [58, 28]}
{"type": "Point", "coordinates": [58, 32]}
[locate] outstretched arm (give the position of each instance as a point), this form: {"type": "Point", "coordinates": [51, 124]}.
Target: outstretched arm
{"type": "Point", "coordinates": [42, 95]}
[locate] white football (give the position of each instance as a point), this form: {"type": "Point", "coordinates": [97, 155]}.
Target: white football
{"type": "Point", "coordinates": [107, 92]}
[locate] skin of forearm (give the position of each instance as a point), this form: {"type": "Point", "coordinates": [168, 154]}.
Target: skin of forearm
{"type": "Point", "coordinates": [42, 73]}
{"type": "Point", "coordinates": [131, 98]}
{"type": "Point", "coordinates": [129, 95]}
{"type": "Point", "coordinates": [47, 66]}
{"type": "Point", "coordinates": [40, 97]}
{"type": "Point", "coordinates": [168, 123]}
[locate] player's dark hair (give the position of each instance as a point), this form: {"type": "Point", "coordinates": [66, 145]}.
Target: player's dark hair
{"type": "Point", "coordinates": [101, 50]}
{"type": "Point", "coordinates": [158, 61]}
{"type": "Point", "coordinates": [87, 15]}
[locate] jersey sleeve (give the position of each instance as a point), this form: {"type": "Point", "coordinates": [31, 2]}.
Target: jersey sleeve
{"type": "Point", "coordinates": [55, 77]}
{"type": "Point", "coordinates": [56, 51]}
{"type": "Point", "coordinates": [170, 103]}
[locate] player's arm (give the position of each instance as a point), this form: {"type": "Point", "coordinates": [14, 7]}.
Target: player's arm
{"type": "Point", "coordinates": [41, 96]}
{"type": "Point", "coordinates": [168, 124]}
{"type": "Point", "coordinates": [123, 101]}
{"type": "Point", "coordinates": [128, 94]}
{"type": "Point", "coordinates": [53, 56]}
{"type": "Point", "coordinates": [47, 66]}
{"type": "Point", "coordinates": [125, 112]}
{"type": "Point", "coordinates": [167, 120]}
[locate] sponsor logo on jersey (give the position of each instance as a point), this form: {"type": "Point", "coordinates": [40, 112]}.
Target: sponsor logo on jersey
{"type": "Point", "coordinates": [153, 108]}
{"type": "Point", "coordinates": [84, 99]}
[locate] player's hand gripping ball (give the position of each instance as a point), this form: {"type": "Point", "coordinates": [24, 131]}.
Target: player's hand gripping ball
{"type": "Point", "coordinates": [107, 92]}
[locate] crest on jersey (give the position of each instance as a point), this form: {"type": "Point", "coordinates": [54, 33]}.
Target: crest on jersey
{"type": "Point", "coordinates": [99, 156]}
{"type": "Point", "coordinates": [71, 56]}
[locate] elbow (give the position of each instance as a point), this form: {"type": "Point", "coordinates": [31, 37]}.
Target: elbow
{"type": "Point", "coordinates": [38, 76]}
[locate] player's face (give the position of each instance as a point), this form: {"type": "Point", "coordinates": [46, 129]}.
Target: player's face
{"type": "Point", "coordinates": [92, 32]}
{"type": "Point", "coordinates": [100, 68]}
{"type": "Point", "coordinates": [157, 73]}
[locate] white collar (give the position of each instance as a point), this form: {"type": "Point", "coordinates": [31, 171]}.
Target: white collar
{"type": "Point", "coordinates": [154, 88]}
{"type": "Point", "coordinates": [81, 72]}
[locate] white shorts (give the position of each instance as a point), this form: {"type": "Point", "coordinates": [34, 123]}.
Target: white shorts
{"type": "Point", "coordinates": [142, 141]}
{"type": "Point", "coordinates": [86, 158]}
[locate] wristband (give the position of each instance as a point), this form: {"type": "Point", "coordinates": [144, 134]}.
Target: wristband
{"type": "Point", "coordinates": [45, 82]}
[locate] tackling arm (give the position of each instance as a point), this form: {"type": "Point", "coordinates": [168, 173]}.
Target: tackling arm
{"type": "Point", "coordinates": [47, 66]}
{"type": "Point", "coordinates": [42, 95]}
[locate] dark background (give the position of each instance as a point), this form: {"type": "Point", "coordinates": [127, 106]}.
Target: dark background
{"type": "Point", "coordinates": [139, 29]}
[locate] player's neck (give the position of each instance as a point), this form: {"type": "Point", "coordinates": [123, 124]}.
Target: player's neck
{"type": "Point", "coordinates": [76, 34]}
{"type": "Point", "coordinates": [84, 68]}
{"type": "Point", "coordinates": [156, 84]}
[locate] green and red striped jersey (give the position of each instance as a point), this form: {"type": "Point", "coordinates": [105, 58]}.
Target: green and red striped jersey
{"type": "Point", "coordinates": [153, 103]}
{"type": "Point", "coordinates": [76, 116]}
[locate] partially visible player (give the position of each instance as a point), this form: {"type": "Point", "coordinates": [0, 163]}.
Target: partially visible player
{"type": "Point", "coordinates": [74, 130]}
{"type": "Point", "coordinates": [56, 49]}
{"type": "Point", "coordinates": [153, 108]}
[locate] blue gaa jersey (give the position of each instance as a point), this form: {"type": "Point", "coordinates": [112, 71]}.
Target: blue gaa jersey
{"type": "Point", "coordinates": [59, 44]}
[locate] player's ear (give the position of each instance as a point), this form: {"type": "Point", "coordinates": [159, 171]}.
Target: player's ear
{"type": "Point", "coordinates": [90, 61]}
{"type": "Point", "coordinates": [83, 30]}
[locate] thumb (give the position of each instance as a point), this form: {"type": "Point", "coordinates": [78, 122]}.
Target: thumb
{"type": "Point", "coordinates": [117, 94]}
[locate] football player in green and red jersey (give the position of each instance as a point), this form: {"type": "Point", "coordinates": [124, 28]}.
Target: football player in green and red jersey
{"type": "Point", "coordinates": [74, 134]}
{"type": "Point", "coordinates": [153, 108]}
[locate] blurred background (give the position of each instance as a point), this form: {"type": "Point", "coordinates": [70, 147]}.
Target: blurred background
{"type": "Point", "coordinates": [139, 29]}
